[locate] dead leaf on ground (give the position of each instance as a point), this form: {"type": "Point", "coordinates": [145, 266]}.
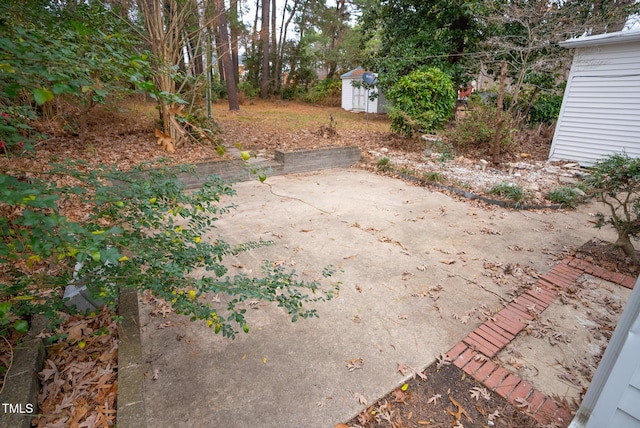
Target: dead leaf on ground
{"type": "Point", "coordinates": [406, 276]}
{"type": "Point", "coordinates": [279, 262]}
{"type": "Point", "coordinates": [361, 399]}
{"type": "Point", "coordinates": [479, 392]}
{"type": "Point", "coordinates": [400, 396]}
{"type": "Point", "coordinates": [354, 364]}
{"type": "Point", "coordinates": [459, 412]}
{"type": "Point", "coordinates": [391, 241]}
{"type": "Point", "coordinates": [434, 399]}
{"type": "Point", "coordinates": [523, 404]}
{"type": "Point", "coordinates": [161, 308]}
{"type": "Point", "coordinates": [488, 231]}
{"type": "Point", "coordinates": [442, 360]}
{"type": "Point", "coordinates": [463, 319]}
{"type": "Point", "coordinates": [403, 369]}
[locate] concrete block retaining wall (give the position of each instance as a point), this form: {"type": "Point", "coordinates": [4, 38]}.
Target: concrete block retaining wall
{"type": "Point", "coordinates": [314, 159]}
{"type": "Point", "coordinates": [285, 162]}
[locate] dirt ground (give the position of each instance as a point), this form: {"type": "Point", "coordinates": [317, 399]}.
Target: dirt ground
{"type": "Point", "coordinates": [126, 138]}
{"type": "Point", "coordinates": [446, 397]}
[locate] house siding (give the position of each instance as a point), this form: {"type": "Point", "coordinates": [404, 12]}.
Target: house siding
{"type": "Point", "coordinates": [614, 393]}
{"type": "Point", "coordinates": [618, 403]}
{"type": "Point", "coordinates": [600, 114]}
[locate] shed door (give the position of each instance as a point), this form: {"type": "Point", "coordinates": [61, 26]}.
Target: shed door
{"type": "Point", "coordinates": [619, 402]}
{"type": "Point", "coordinates": [359, 99]}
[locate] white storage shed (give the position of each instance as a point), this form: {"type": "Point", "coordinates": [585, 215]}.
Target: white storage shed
{"type": "Point", "coordinates": [600, 112]}
{"type": "Point", "coordinates": [356, 99]}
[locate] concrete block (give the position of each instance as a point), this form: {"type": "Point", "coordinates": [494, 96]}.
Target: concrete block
{"type": "Point", "coordinates": [19, 397]}
{"type": "Point", "coordinates": [73, 297]}
{"type": "Point", "coordinates": [131, 408]}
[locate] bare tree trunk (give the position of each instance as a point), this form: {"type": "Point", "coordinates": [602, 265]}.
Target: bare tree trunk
{"type": "Point", "coordinates": [497, 138]}
{"type": "Point", "coordinates": [624, 242]}
{"type": "Point", "coordinates": [274, 44]}
{"type": "Point", "coordinates": [283, 34]}
{"type": "Point", "coordinates": [293, 65]}
{"type": "Point", "coordinates": [225, 56]}
{"type": "Point", "coordinates": [234, 25]}
{"type": "Point", "coordinates": [336, 36]}
{"type": "Point", "coordinates": [164, 40]}
{"type": "Point", "coordinates": [264, 37]}
{"type": "Point", "coordinates": [218, 45]}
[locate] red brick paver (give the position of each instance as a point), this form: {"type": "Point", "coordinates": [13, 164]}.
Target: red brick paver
{"type": "Point", "coordinates": [496, 377]}
{"type": "Point", "coordinates": [464, 358]}
{"type": "Point", "coordinates": [508, 384]}
{"type": "Point", "coordinates": [483, 372]}
{"type": "Point", "coordinates": [493, 335]}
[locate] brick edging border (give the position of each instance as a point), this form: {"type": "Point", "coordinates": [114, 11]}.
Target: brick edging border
{"type": "Point", "coordinates": [473, 353]}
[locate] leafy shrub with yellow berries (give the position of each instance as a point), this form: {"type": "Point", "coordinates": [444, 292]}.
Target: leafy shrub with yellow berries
{"type": "Point", "coordinates": [141, 229]}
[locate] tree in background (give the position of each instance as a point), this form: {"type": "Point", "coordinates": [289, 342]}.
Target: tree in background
{"type": "Point", "coordinates": [226, 56]}
{"type": "Point", "coordinates": [57, 59]}
{"type": "Point", "coordinates": [521, 44]}
{"type": "Point", "coordinates": [264, 39]}
{"type": "Point", "coordinates": [411, 33]}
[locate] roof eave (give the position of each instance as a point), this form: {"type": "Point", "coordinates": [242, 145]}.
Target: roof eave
{"type": "Point", "coordinates": [602, 39]}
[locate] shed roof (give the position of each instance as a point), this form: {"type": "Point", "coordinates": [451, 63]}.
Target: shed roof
{"type": "Point", "coordinates": [602, 39]}
{"type": "Point", "coordinates": [353, 74]}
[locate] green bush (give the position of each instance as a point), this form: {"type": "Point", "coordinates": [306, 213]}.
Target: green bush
{"type": "Point", "coordinates": [17, 134]}
{"type": "Point", "coordinates": [545, 109]}
{"type": "Point", "coordinates": [142, 231]}
{"type": "Point", "coordinates": [477, 129]}
{"type": "Point", "coordinates": [248, 89]}
{"type": "Point", "coordinates": [421, 101]}
{"type": "Point", "coordinates": [325, 92]}
{"type": "Point", "coordinates": [615, 181]}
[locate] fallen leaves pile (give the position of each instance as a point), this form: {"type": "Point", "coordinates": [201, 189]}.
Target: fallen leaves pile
{"type": "Point", "coordinates": [79, 378]}
{"type": "Point", "coordinates": [440, 396]}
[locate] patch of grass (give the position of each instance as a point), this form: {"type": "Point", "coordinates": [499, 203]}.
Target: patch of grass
{"type": "Point", "coordinates": [384, 164]}
{"type": "Point", "coordinates": [292, 116]}
{"type": "Point", "coordinates": [509, 191]}
{"type": "Point", "coordinates": [568, 196]}
{"type": "Point", "coordinates": [434, 177]}
{"type": "Point", "coordinates": [407, 171]}
{"type": "Point", "coordinates": [445, 150]}
{"type": "Point", "coordinates": [461, 184]}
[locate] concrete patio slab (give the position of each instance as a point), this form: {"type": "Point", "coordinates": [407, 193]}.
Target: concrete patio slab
{"type": "Point", "coordinates": [414, 267]}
